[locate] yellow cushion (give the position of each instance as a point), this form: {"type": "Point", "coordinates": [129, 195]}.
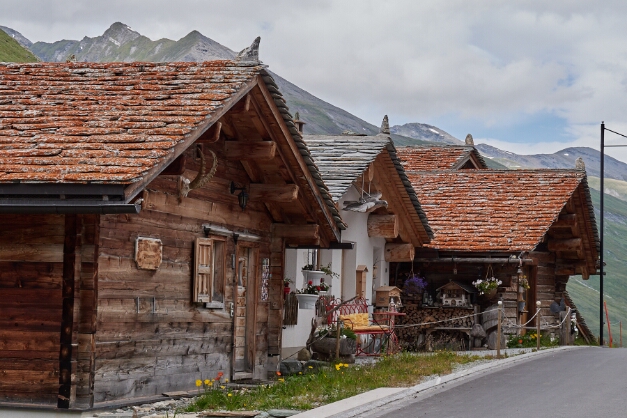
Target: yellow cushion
{"type": "Point", "coordinates": [355, 320]}
{"type": "Point", "coordinates": [362, 319]}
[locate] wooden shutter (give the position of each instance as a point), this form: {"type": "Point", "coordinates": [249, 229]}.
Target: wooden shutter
{"type": "Point", "coordinates": [202, 270]}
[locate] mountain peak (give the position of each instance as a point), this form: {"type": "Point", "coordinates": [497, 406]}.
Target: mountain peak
{"type": "Point", "coordinates": [119, 33]}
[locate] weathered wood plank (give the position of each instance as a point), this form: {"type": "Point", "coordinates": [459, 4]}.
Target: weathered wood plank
{"type": "Point", "coordinates": [164, 347]}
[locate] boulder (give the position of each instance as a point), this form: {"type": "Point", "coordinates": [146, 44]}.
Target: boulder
{"type": "Point", "coordinates": [289, 367]}
{"type": "Point", "coordinates": [304, 355]}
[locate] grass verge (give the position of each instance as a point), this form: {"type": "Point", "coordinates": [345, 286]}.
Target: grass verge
{"type": "Point", "coordinates": [313, 389]}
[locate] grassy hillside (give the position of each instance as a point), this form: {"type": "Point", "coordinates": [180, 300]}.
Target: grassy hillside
{"type": "Point", "coordinates": [12, 51]}
{"type": "Point", "coordinates": [586, 293]}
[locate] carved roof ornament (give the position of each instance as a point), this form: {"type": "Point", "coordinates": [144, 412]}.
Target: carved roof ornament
{"type": "Point", "coordinates": [251, 53]}
{"type": "Point", "coordinates": [296, 116]}
{"type": "Point", "coordinates": [469, 140]}
{"type": "Point", "coordinates": [202, 178]}
{"type": "Point", "coordinates": [385, 126]}
{"type": "Point", "coordinates": [579, 164]}
{"type": "Point", "coordinates": [367, 204]}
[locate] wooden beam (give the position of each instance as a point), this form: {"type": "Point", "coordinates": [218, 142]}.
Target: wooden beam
{"type": "Point", "coordinates": [176, 168]}
{"type": "Point", "coordinates": [566, 221]}
{"type": "Point", "coordinates": [382, 226]}
{"type": "Point", "coordinates": [71, 272]}
{"type": "Point", "coordinates": [284, 193]}
{"type": "Point", "coordinates": [296, 231]}
{"type": "Point", "coordinates": [585, 274]}
{"type": "Point", "coordinates": [259, 150]}
{"type": "Point", "coordinates": [212, 135]}
{"type": "Point", "coordinates": [573, 244]}
{"type": "Point", "coordinates": [395, 252]}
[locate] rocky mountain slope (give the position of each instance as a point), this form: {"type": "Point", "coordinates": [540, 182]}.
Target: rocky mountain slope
{"type": "Point", "coordinates": [426, 133]}
{"type": "Point", "coordinates": [12, 51]}
{"type": "Point", "coordinates": [561, 159]}
{"type": "Point", "coordinates": [22, 40]}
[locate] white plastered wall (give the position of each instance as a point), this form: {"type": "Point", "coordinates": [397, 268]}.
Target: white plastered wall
{"type": "Point", "coordinates": [367, 251]}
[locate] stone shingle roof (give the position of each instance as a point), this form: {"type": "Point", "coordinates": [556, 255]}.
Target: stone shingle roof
{"type": "Point", "coordinates": [105, 122]}
{"type": "Point", "coordinates": [494, 210]}
{"type": "Point", "coordinates": [112, 123]}
{"type": "Point", "coordinates": [438, 157]}
{"type": "Point", "coordinates": [342, 159]}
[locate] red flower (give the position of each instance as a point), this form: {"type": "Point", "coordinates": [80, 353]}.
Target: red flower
{"type": "Point", "coordinates": [322, 280]}
{"type": "Point", "coordinates": [318, 288]}
{"type": "Point", "coordinates": [310, 282]}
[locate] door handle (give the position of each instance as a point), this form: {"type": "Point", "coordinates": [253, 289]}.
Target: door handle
{"type": "Point", "coordinates": [232, 309]}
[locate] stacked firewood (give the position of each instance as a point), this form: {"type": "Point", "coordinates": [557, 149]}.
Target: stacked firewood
{"type": "Point", "coordinates": [413, 338]}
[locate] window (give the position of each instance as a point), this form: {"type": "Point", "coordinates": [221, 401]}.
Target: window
{"type": "Point", "coordinates": [209, 272]}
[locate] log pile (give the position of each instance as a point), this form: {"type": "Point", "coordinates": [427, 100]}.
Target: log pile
{"type": "Point", "coordinates": [414, 338]}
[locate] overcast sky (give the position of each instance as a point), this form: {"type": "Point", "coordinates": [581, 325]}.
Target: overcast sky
{"type": "Point", "coordinates": [526, 76]}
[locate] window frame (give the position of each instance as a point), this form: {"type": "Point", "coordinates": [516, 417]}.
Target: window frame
{"type": "Point", "coordinates": [209, 280]}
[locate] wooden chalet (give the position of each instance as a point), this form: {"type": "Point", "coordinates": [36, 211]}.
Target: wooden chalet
{"type": "Point", "coordinates": [510, 224]}
{"type": "Point", "coordinates": [385, 222]}
{"type": "Point", "coordinates": [145, 211]}
{"type": "Point", "coordinates": [369, 185]}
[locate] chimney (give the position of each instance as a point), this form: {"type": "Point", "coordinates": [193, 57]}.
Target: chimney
{"type": "Point", "coordinates": [299, 123]}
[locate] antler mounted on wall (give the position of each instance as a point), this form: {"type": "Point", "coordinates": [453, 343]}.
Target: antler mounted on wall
{"type": "Point", "coordinates": [202, 178]}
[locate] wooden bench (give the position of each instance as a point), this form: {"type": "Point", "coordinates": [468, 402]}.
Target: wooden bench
{"type": "Point", "coordinates": [354, 315]}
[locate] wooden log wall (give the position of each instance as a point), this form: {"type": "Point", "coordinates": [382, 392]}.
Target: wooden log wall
{"type": "Point", "coordinates": [546, 285]}
{"type": "Point", "coordinates": [150, 337]}
{"type": "Point", "coordinates": [31, 279]}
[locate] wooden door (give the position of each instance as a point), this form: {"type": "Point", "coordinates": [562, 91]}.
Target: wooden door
{"type": "Point", "coordinates": [244, 326]}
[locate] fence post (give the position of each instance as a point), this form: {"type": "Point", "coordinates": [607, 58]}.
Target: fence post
{"type": "Point", "coordinates": [538, 303]}
{"type": "Point", "coordinates": [498, 331]}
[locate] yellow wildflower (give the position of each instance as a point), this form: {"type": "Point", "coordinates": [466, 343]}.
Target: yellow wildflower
{"type": "Point", "coordinates": [222, 387]}
{"type": "Point", "coordinates": [230, 394]}
{"type": "Point", "coordinates": [311, 367]}
{"type": "Point", "coordinates": [198, 383]}
{"type": "Point", "coordinates": [281, 379]}
{"type": "Point", "coordinates": [207, 381]}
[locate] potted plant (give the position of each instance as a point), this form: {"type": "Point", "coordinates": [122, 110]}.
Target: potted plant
{"type": "Point", "coordinates": [286, 286]}
{"type": "Point", "coordinates": [523, 284]}
{"type": "Point", "coordinates": [414, 287]}
{"type": "Point", "coordinates": [311, 274]}
{"type": "Point", "coordinates": [487, 286]}
{"type": "Point", "coordinates": [308, 296]}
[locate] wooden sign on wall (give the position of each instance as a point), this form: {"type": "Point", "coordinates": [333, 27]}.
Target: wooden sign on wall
{"type": "Point", "coordinates": [148, 253]}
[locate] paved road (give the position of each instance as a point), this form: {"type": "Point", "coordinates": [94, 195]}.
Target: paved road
{"type": "Point", "coordinates": [587, 382]}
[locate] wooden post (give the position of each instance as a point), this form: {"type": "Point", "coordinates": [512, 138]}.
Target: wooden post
{"type": "Point", "coordinates": [563, 331]}
{"type": "Point", "coordinates": [620, 324]}
{"type": "Point", "coordinates": [609, 328]}
{"type": "Point", "coordinates": [498, 331]}
{"type": "Point", "coordinates": [337, 342]}
{"type": "Point", "coordinates": [538, 303]}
